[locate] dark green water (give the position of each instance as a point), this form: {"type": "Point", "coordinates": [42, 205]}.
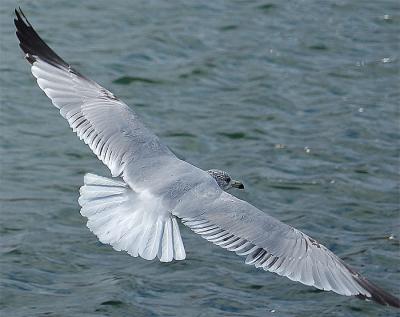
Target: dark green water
{"type": "Point", "coordinates": [298, 99]}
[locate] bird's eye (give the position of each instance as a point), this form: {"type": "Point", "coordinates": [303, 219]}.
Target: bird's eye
{"type": "Point", "coordinates": [228, 179]}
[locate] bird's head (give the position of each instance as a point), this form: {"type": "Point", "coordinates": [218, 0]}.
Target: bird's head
{"type": "Point", "coordinates": [224, 180]}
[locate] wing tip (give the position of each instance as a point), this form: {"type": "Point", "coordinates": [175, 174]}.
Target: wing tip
{"type": "Point", "coordinates": [32, 44]}
{"type": "Point", "coordinates": [21, 16]}
{"type": "Point", "coordinates": [378, 295]}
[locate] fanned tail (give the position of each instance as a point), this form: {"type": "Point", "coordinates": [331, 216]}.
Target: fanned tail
{"type": "Point", "coordinates": [130, 221]}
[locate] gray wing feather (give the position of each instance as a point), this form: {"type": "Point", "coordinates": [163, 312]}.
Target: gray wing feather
{"type": "Point", "coordinates": [267, 243]}
{"type": "Point", "coordinates": [110, 128]}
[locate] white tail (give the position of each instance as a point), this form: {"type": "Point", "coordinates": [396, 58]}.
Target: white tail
{"type": "Point", "coordinates": [130, 221]}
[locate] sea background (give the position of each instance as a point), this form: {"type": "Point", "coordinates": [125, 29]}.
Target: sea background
{"type": "Point", "coordinates": [297, 99]}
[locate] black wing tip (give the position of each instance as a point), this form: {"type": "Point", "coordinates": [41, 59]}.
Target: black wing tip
{"type": "Point", "coordinates": [22, 24]}
{"type": "Point", "coordinates": [377, 294]}
{"type": "Point", "coordinates": [32, 44]}
{"type": "Point", "coordinates": [21, 16]}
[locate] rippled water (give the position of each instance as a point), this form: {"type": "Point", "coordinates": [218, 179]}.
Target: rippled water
{"type": "Point", "coordinates": [299, 100]}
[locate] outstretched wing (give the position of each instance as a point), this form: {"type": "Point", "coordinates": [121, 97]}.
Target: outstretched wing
{"type": "Point", "coordinates": [269, 244]}
{"type": "Point", "coordinates": [110, 128]}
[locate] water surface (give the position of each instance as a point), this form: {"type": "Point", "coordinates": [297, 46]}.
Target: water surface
{"type": "Point", "coordinates": [299, 100]}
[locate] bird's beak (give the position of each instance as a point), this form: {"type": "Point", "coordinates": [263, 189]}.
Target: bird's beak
{"type": "Point", "coordinates": [237, 184]}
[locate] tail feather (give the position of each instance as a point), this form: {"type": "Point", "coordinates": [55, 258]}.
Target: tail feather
{"type": "Point", "coordinates": [130, 221]}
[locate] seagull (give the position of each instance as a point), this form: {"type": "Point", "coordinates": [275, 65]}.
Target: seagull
{"type": "Point", "coordinates": [138, 212]}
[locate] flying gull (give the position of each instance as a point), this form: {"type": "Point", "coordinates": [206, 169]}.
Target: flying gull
{"type": "Point", "coordinates": [139, 212]}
